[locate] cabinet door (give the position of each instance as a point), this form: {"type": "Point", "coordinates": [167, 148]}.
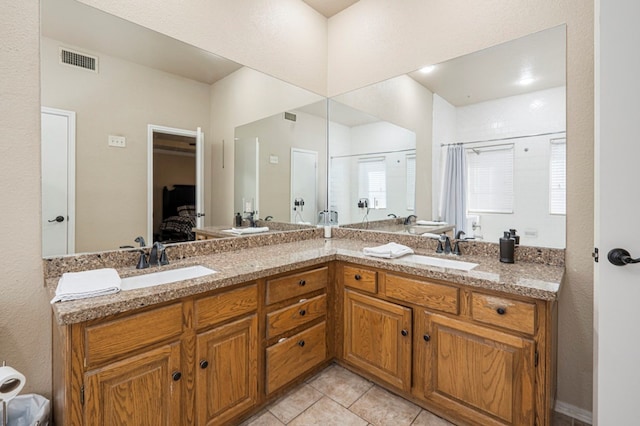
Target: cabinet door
{"type": "Point", "coordinates": [140, 390]}
{"type": "Point", "coordinates": [377, 338]}
{"type": "Point", "coordinates": [485, 375]}
{"type": "Point", "coordinates": [227, 371]}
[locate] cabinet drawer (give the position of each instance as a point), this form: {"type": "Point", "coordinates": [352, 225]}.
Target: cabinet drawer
{"type": "Point", "coordinates": [288, 318]}
{"type": "Point", "coordinates": [223, 306]}
{"type": "Point", "coordinates": [503, 312]}
{"type": "Point", "coordinates": [115, 338]}
{"type": "Point", "coordinates": [424, 293]}
{"type": "Point", "coordinates": [292, 357]}
{"type": "Point", "coordinates": [296, 285]}
{"type": "Point", "coordinates": [361, 279]}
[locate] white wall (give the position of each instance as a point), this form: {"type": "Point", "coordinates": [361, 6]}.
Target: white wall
{"type": "Point", "coordinates": [374, 40]}
{"type": "Point", "coordinates": [529, 114]}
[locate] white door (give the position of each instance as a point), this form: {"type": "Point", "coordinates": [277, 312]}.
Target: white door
{"type": "Point", "coordinates": [199, 137]}
{"type": "Point", "coordinates": [617, 213]}
{"type": "Point", "coordinates": [304, 186]}
{"type": "Point", "coordinates": [58, 128]}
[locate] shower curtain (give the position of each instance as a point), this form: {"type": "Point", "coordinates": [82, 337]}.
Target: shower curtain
{"type": "Point", "coordinates": [453, 195]}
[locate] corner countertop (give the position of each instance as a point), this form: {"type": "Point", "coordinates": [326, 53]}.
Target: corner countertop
{"type": "Point", "coordinates": [533, 280]}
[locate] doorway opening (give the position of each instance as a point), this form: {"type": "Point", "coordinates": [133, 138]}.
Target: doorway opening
{"type": "Point", "coordinates": [175, 184]}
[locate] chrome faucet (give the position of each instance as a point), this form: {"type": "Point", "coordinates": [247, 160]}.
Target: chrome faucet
{"type": "Point", "coordinates": [158, 255]}
{"type": "Point", "coordinates": [407, 221]}
{"type": "Point", "coordinates": [392, 215]}
{"type": "Point", "coordinates": [459, 239]}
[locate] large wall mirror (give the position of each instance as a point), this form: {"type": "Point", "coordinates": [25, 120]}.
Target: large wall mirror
{"type": "Point", "coordinates": [489, 134]}
{"type": "Point", "coordinates": [131, 98]}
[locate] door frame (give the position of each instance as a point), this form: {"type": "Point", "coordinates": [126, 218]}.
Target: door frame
{"type": "Point", "coordinates": [71, 172]}
{"type": "Point", "coordinates": [198, 135]}
{"type": "Point", "coordinates": [315, 213]}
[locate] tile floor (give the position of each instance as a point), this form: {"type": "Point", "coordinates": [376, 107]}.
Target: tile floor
{"type": "Point", "coordinates": [336, 396]}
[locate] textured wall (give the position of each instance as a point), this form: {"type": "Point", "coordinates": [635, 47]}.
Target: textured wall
{"type": "Point", "coordinates": [25, 316]}
{"type": "Point", "coordinates": [376, 39]}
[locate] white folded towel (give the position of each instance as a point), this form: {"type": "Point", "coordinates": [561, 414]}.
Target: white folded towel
{"type": "Point", "coordinates": [250, 230]}
{"type": "Point", "coordinates": [430, 235]}
{"type": "Point", "coordinates": [429, 222]}
{"type": "Point", "coordinates": [81, 285]}
{"type": "Point", "coordinates": [389, 251]}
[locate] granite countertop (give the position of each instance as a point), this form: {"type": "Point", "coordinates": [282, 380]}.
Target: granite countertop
{"type": "Point", "coordinates": [235, 267]}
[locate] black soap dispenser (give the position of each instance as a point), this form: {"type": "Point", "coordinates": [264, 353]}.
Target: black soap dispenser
{"type": "Point", "coordinates": [507, 248]}
{"type": "Point", "coordinates": [238, 220]}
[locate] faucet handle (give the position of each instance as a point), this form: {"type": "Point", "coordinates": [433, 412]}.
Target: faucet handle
{"type": "Point", "coordinates": [163, 257]}
{"type": "Point", "coordinates": [142, 261]}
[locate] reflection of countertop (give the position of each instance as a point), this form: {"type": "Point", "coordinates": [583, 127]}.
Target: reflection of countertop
{"type": "Point", "coordinates": [411, 229]}
{"type": "Point", "coordinates": [218, 231]}
{"type": "Point", "coordinates": [534, 280]}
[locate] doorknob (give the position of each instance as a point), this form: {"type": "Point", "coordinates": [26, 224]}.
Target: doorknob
{"type": "Point", "coordinates": [57, 219]}
{"type": "Point", "coordinates": [621, 257]}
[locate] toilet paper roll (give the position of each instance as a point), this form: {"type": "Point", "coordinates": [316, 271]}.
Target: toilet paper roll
{"type": "Point", "coordinates": [11, 383]}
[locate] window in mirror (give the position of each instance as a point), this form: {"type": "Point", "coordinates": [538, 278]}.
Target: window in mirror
{"type": "Point", "coordinates": [558, 177]}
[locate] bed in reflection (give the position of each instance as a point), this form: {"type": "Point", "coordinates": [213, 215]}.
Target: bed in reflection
{"type": "Point", "coordinates": [178, 214]}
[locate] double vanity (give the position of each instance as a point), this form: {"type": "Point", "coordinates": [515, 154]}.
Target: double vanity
{"type": "Point", "coordinates": [474, 346]}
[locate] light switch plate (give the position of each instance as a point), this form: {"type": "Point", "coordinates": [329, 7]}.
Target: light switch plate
{"type": "Point", "coordinates": [117, 141]}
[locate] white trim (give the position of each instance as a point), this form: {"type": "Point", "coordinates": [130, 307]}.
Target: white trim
{"type": "Point", "coordinates": [151, 128]}
{"type": "Point", "coordinates": [71, 173]}
{"type": "Point", "coordinates": [577, 413]}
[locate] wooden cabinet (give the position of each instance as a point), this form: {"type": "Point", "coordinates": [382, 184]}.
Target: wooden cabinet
{"type": "Point", "coordinates": [141, 390]}
{"type": "Point", "coordinates": [483, 375]}
{"type": "Point", "coordinates": [227, 371]}
{"type": "Point", "coordinates": [377, 338]}
{"type": "Point", "coordinates": [295, 326]}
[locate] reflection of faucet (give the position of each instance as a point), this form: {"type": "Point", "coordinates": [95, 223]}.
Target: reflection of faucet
{"type": "Point", "coordinates": [392, 215]}
{"type": "Point", "coordinates": [458, 240]}
{"type": "Point", "coordinates": [156, 260]}
{"type": "Point", "coordinates": [407, 221]}
{"type": "Point", "coordinates": [268, 218]}
{"type": "Point", "coordinates": [141, 241]}
{"type": "Point", "coordinates": [447, 244]}
{"type": "Point", "coordinates": [250, 217]}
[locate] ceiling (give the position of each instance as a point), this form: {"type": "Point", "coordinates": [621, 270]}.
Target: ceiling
{"type": "Point", "coordinates": [495, 72]}
{"type": "Point", "coordinates": [328, 8]}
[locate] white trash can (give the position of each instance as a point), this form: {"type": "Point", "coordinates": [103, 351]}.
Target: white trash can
{"type": "Point", "coordinates": [27, 410]}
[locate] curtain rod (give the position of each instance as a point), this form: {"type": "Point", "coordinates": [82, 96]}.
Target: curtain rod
{"type": "Point", "coordinates": [506, 139]}
{"type": "Point", "coordinates": [372, 153]}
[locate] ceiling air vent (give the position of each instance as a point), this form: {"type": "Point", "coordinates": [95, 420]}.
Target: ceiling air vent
{"type": "Point", "coordinates": [77, 59]}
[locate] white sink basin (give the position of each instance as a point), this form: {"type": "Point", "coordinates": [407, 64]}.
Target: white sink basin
{"type": "Point", "coordinates": [165, 277]}
{"type": "Point", "coordinates": [442, 263]}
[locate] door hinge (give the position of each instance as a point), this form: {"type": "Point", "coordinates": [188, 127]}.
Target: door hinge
{"type": "Point", "coordinates": [595, 255]}
{"type": "Point", "coordinates": [82, 395]}
{"type": "Point", "coordinates": [536, 358]}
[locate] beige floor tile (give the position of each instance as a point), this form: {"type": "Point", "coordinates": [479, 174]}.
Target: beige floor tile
{"type": "Point", "coordinates": [341, 385]}
{"type": "Point", "coordinates": [384, 408]}
{"type": "Point", "coordinates": [294, 403]}
{"type": "Point", "coordinates": [558, 419]}
{"type": "Point", "coordinates": [426, 418]}
{"type": "Point", "coordinates": [263, 418]}
{"type": "Point", "coordinates": [327, 412]}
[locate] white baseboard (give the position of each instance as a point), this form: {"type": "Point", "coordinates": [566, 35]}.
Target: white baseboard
{"type": "Point", "coordinates": [573, 411]}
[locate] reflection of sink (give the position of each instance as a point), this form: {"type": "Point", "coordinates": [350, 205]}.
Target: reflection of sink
{"type": "Point", "coordinates": [436, 261]}
{"type": "Point", "coordinates": [165, 277]}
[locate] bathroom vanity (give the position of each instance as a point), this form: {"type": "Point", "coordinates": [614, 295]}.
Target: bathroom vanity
{"type": "Point", "coordinates": [475, 347]}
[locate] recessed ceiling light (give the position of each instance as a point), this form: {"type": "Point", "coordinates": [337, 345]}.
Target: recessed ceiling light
{"type": "Point", "coordinates": [427, 69]}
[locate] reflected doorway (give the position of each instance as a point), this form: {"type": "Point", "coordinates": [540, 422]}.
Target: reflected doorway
{"type": "Point", "coordinates": [175, 193]}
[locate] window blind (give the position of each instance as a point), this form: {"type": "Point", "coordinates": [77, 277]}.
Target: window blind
{"type": "Point", "coordinates": [558, 177]}
{"type": "Point", "coordinates": [490, 179]}
{"type": "Point", "coordinates": [372, 181]}
{"type": "Point", "coordinates": [411, 182]}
